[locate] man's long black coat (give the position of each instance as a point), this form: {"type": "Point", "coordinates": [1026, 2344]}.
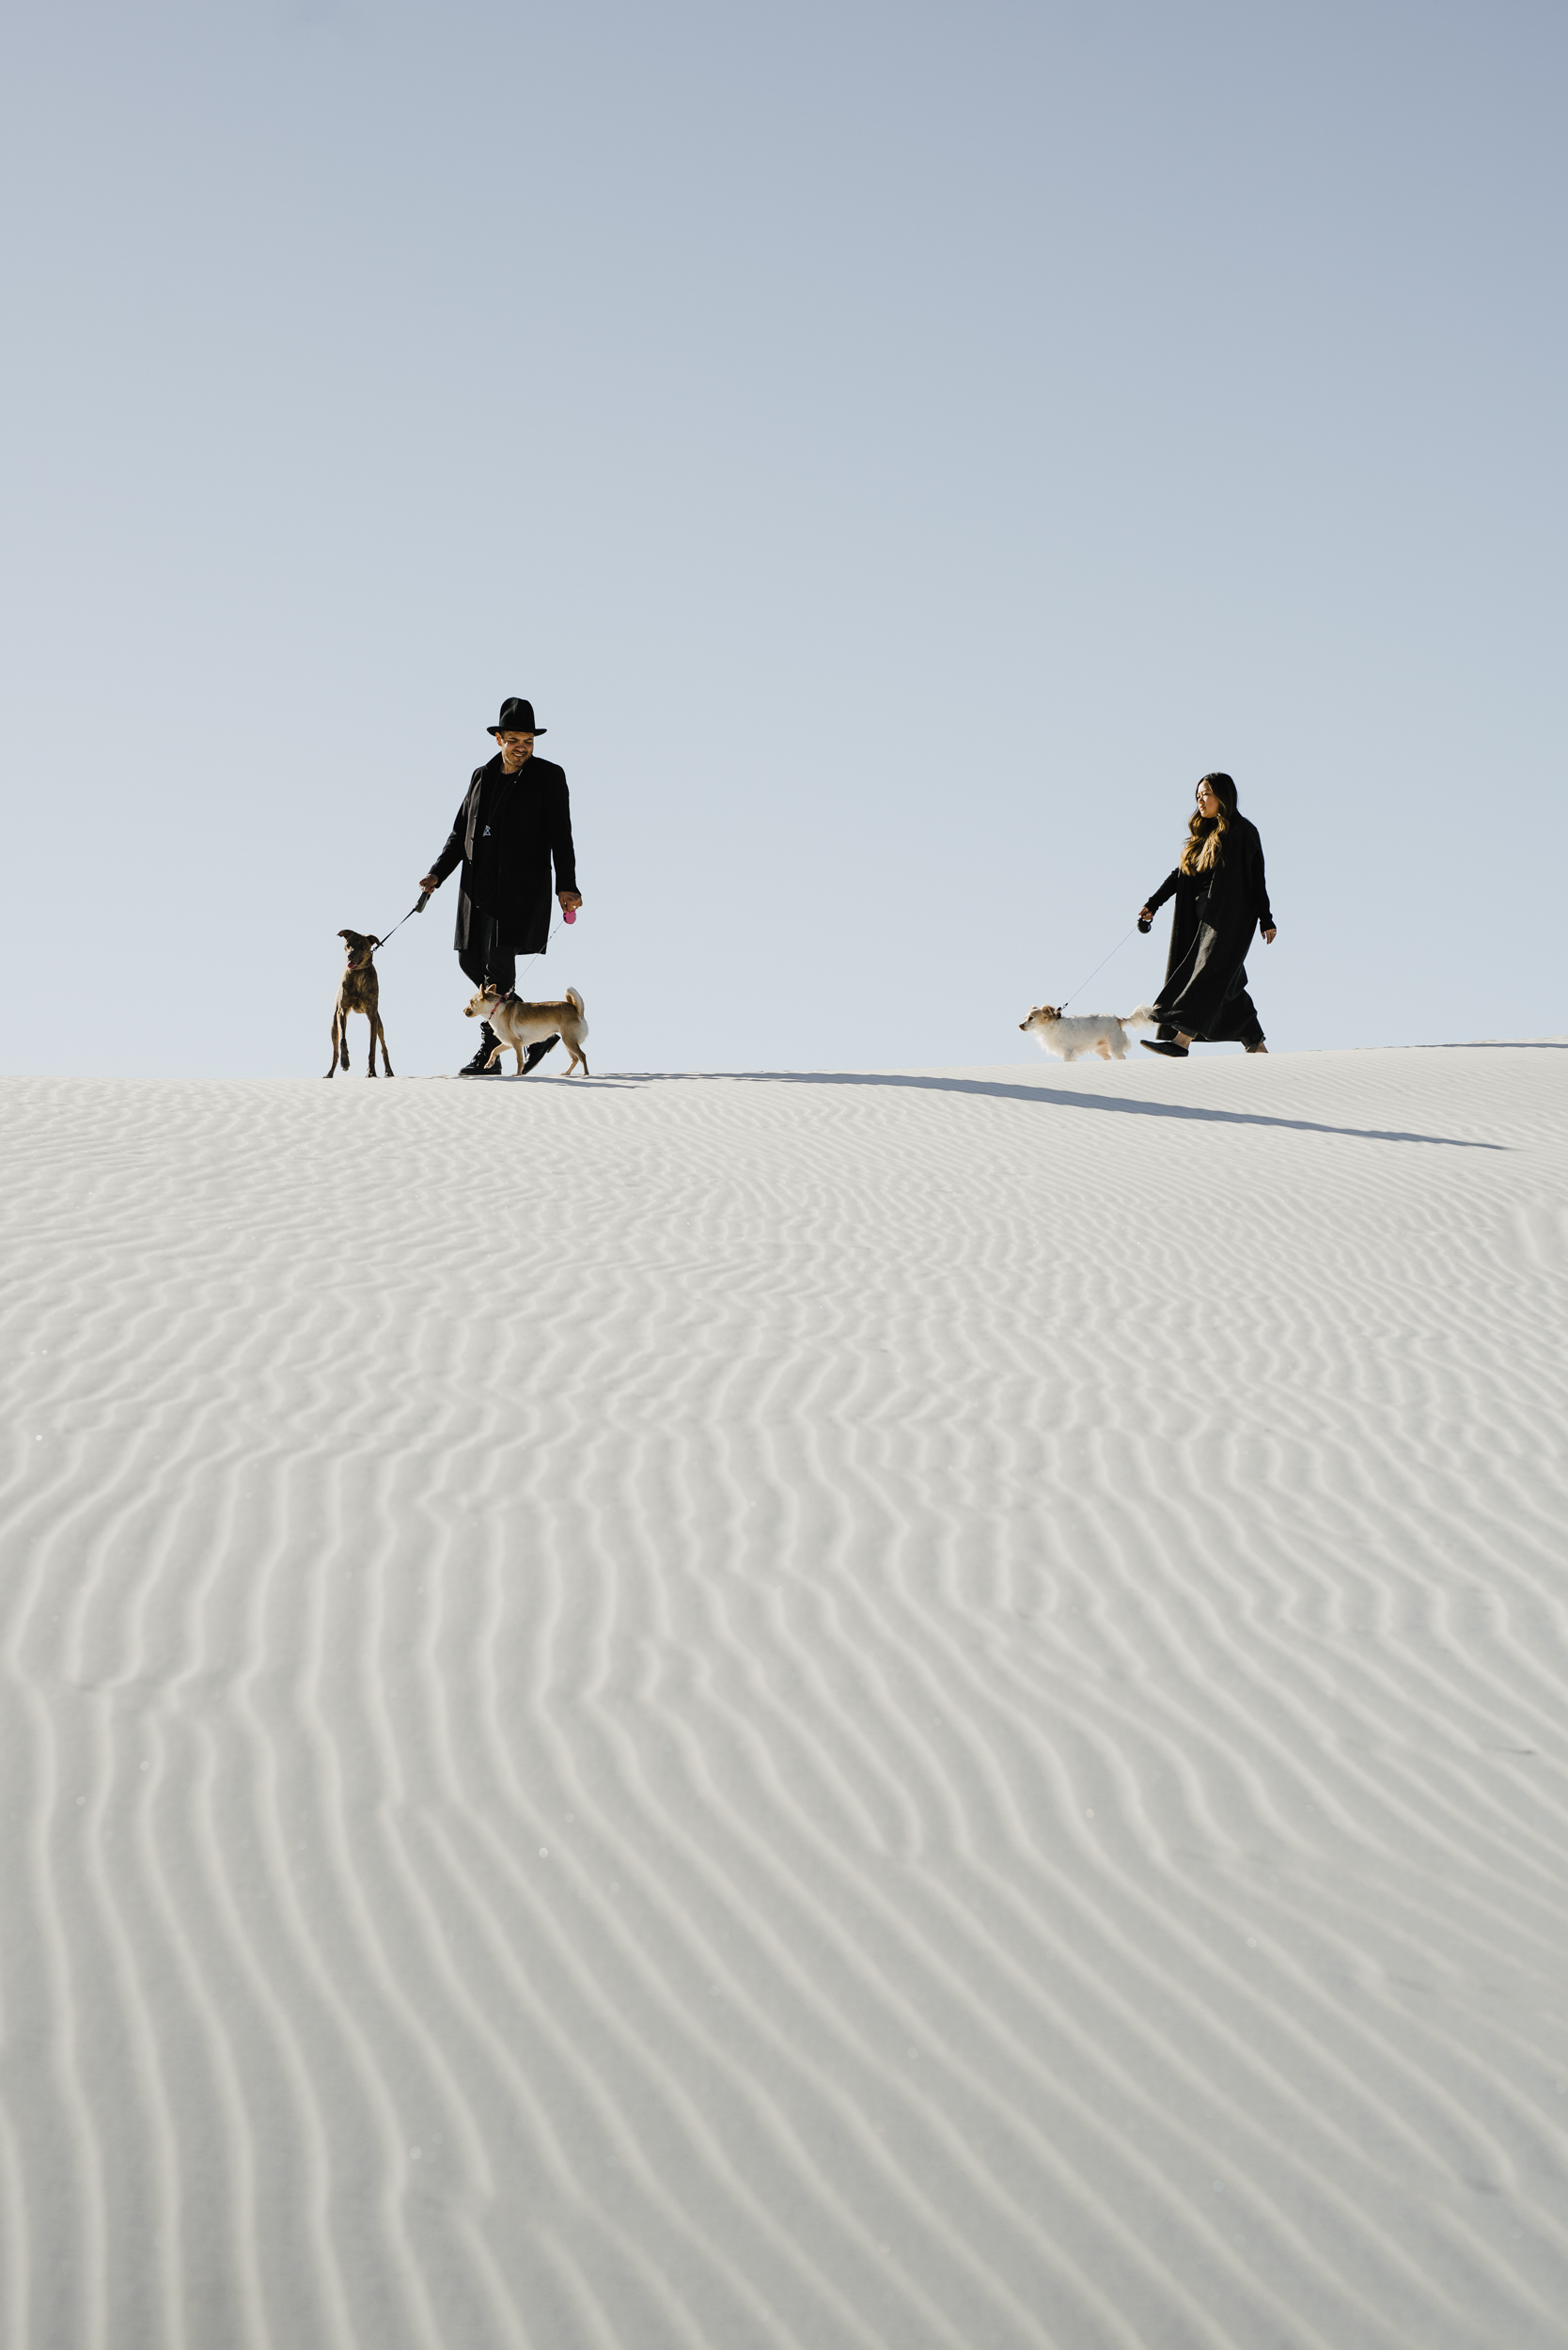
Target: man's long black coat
{"type": "Point", "coordinates": [529, 815]}
{"type": "Point", "coordinates": [1212, 925]}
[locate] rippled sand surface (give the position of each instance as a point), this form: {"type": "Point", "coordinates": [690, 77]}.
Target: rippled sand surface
{"type": "Point", "coordinates": [835, 1713]}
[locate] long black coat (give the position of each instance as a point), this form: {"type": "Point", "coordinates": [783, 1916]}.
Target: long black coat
{"type": "Point", "coordinates": [1212, 926]}
{"type": "Point", "coordinates": [529, 816]}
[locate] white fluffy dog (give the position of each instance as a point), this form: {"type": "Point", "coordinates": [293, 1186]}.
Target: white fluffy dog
{"type": "Point", "coordinates": [1099, 1032]}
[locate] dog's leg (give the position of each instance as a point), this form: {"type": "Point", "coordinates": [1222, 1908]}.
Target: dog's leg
{"type": "Point", "coordinates": [371, 1023]}
{"type": "Point", "coordinates": [332, 1070]}
{"type": "Point", "coordinates": [1101, 1048]}
{"type": "Point", "coordinates": [385, 1056]}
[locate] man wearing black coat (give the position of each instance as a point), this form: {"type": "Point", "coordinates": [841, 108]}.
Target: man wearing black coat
{"type": "Point", "coordinates": [515, 824]}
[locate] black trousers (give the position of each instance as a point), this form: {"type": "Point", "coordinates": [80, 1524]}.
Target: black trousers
{"type": "Point", "coordinates": [485, 958]}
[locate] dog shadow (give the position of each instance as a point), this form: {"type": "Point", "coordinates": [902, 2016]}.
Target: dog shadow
{"type": "Point", "coordinates": [1111, 1104]}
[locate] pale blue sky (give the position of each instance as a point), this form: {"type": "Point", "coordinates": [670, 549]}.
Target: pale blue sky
{"type": "Point", "coordinates": [897, 448]}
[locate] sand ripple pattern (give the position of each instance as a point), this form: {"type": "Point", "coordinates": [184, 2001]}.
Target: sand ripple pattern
{"type": "Point", "coordinates": [869, 1711]}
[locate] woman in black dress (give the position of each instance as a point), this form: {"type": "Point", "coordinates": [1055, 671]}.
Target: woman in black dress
{"type": "Point", "coordinates": [1221, 899]}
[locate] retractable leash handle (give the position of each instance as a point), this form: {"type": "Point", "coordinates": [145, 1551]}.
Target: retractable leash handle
{"type": "Point", "coordinates": [422, 901]}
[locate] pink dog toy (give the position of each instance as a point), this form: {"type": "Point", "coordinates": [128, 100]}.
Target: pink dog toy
{"type": "Point", "coordinates": [568, 914]}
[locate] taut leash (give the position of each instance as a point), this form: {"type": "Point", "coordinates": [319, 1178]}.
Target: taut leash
{"type": "Point", "coordinates": [417, 907]}
{"type": "Point", "coordinates": [1099, 968]}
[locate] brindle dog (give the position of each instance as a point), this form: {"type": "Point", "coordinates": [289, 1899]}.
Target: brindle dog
{"type": "Point", "coordinates": [359, 990]}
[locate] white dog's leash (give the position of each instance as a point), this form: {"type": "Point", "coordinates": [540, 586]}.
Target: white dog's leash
{"type": "Point", "coordinates": [1098, 968]}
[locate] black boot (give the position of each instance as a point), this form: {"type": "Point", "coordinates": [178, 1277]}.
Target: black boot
{"type": "Point", "coordinates": [536, 1053]}
{"type": "Point", "coordinates": [479, 1065]}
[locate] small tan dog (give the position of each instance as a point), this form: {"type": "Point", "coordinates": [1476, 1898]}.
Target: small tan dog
{"type": "Point", "coordinates": [359, 990]}
{"type": "Point", "coordinates": [519, 1024]}
{"type": "Point", "coordinates": [1100, 1033]}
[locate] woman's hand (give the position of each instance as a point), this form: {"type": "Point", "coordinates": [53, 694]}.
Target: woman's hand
{"type": "Point", "coordinates": [1269, 937]}
{"type": "Point", "coordinates": [431, 882]}
{"type": "Point", "coordinates": [569, 897]}
{"type": "Point", "coordinates": [1144, 915]}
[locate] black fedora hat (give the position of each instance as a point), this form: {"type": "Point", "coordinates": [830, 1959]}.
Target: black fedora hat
{"type": "Point", "coordinates": [517, 718]}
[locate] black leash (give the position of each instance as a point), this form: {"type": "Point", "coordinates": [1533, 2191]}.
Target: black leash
{"type": "Point", "coordinates": [419, 907]}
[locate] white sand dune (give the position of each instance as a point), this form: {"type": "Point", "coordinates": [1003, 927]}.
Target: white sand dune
{"type": "Point", "coordinates": [866, 1712]}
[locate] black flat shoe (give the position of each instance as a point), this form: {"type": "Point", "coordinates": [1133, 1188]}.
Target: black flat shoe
{"type": "Point", "coordinates": [536, 1053]}
{"type": "Point", "coordinates": [1158, 1045]}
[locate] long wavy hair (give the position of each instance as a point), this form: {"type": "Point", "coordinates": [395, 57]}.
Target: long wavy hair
{"type": "Point", "coordinates": [1204, 847]}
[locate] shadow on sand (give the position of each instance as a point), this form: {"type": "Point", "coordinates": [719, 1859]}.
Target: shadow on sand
{"type": "Point", "coordinates": [1112, 1104]}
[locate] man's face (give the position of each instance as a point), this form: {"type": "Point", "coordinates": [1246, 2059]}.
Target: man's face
{"type": "Point", "coordinates": [515, 749]}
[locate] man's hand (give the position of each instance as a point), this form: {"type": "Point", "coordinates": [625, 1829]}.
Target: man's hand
{"type": "Point", "coordinates": [1144, 915]}
{"type": "Point", "coordinates": [431, 882]}
{"type": "Point", "coordinates": [1269, 937]}
{"type": "Point", "coordinates": [568, 898]}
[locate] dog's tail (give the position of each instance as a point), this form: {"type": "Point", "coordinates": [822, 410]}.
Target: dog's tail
{"type": "Point", "coordinates": [1145, 1017]}
{"type": "Point", "coordinates": [573, 998]}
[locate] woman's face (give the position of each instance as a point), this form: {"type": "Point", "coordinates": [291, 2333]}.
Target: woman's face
{"type": "Point", "coordinates": [1208, 805]}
